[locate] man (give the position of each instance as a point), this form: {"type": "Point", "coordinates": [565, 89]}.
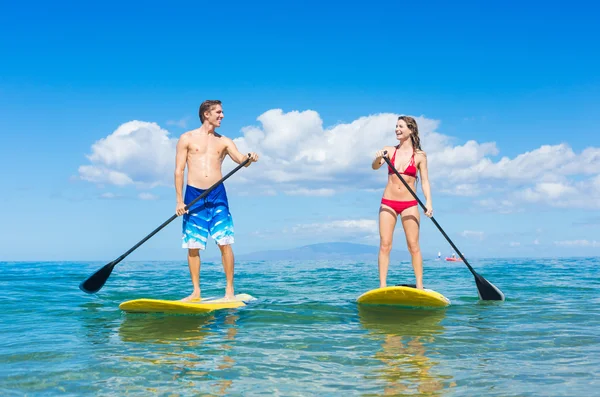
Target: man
{"type": "Point", "coordinates": [203, 150]}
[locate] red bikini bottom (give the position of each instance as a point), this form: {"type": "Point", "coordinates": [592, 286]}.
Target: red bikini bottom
{"type": "Point", "coordinates": [398, 206]}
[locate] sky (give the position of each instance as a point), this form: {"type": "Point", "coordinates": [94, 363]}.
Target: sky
{"type": "Point", "coordinates": [93, 98]}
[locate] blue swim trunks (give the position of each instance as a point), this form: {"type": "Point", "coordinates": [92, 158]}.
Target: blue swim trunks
{"type": "Point", "coordinates": [208, 216]}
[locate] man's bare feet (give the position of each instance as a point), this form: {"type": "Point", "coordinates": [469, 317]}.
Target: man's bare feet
{"type": "Point", "coordinates": [194, 297]}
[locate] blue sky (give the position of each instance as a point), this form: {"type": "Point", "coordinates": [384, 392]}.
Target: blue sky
{"type": "Point", "coordinates": [507, 97]}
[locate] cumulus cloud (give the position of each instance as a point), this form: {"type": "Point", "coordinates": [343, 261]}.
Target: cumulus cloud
{"type": "Point", "coordinates": [100, 174]}
{"type": "Point", "coordinates": [301, 156]}
{"type": "Point", "coordinates": [296, 147]}
{"type": "Point", "coordinates": [581, 194]}
{"type": "Point", "coordinates": [137, 152]}
{"type": "Point", "coordinates": [550, 191]}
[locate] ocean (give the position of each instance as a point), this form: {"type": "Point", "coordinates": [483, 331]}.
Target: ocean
{"type": "Point", "coordinates": [304, 335]}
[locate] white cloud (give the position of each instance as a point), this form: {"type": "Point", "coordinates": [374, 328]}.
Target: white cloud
{"type": "Point", "coordinates": [547, 190]}
{"type": "Point", "coordinates": [135, 153]}
{"type": "Point", "coordinates": [514, 244]}
{"type": "Point", "coordinates": [99, 174]}
{"type": "Point", "coordinates": [147, 196]}
{"type": "Point", "coordinates": [577, 243]}
{"type": "Point", "coordinates": [525, 167]}
{"type": "Point", "coordinates": [544, 175]}
{"type": "Point", "coordinates": [296, 147]}
{"type": "Point", "coordinates": [471, 153]}
{"type": "Point", "coordinates": [301, 156]}
{"type": "Point", "coordinates": [473, 234]}
{"type": "Point", "coordinates": [582, 194]}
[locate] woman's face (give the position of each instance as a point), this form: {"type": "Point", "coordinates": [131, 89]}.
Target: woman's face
{"type": "Point", "coordinates": [402, 130]}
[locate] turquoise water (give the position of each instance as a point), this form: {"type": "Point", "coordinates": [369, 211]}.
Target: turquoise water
{"type": "Point", "coordinates": [304, 335]}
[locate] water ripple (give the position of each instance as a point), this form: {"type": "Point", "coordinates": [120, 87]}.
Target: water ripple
{"type": "Point", "coordinates": [304, 334]}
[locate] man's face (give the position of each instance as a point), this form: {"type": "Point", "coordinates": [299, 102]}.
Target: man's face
{"type": "Point", "coordinates": [215, 115]}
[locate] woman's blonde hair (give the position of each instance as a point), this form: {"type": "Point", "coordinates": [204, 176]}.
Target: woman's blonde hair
{"type": "Point", "coordinates": [411, 123]}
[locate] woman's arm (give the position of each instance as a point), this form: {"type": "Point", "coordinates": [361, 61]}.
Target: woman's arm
{"type": "Point", "coordinates": [378, 162]}
{"type": "Point", "coordinates": [425, 183]}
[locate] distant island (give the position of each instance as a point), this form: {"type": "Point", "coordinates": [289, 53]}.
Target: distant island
{"type": "Point", "coordinates": [330, 251]}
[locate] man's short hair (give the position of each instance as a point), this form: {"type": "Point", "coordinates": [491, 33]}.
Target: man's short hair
{"type": "Point", "coordinates": [207, 106]}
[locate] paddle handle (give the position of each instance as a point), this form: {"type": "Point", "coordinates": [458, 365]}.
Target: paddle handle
{"type": "Point", "coordinates": [174, 216]}
{"type": "Point", "coordinates": [425, 209]}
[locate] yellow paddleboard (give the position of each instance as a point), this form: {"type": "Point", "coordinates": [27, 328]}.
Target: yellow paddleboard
{"type": "Point", "coordinates": [206, 305]}
{"type": "Point", "coordinates": [404, 296]}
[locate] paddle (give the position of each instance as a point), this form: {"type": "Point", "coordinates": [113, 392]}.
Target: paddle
{"type": "Point", "coordinates": [485, 289]}
{"type": "Point", "coordinates": [97, 280]}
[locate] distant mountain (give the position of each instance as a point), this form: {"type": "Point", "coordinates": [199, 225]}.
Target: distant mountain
{"type": "Point", "coordinates": [331, 251]}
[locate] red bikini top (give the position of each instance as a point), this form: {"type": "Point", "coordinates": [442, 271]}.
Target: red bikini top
{"type": "Point", "coordinates": [411, 169]}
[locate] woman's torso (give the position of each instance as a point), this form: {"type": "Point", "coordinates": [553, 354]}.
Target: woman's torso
{"type": "Point", "coordinates": [406, 164]}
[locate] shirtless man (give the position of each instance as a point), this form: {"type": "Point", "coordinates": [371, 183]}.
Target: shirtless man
{"type": "Point", "coordinates": [203, 151]}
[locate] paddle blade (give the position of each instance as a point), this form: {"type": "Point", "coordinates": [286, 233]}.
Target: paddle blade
{"type": "Point", "coordinates": [97, 280]}
{"type": "Point", "coordinates": [486, 290]}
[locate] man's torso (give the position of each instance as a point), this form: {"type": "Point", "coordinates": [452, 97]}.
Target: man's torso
{"type": "Point", "coordinates": [204, 158]}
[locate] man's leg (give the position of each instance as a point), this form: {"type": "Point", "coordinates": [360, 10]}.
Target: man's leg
{"type": "Point", "coordinates": [194, 265]}
{"type": "Point", "coordinates": [221, 230]}
{"type": "Point", "coordinates": [227, 259]}
{"type": "Point", "coordinates": [195, 234]}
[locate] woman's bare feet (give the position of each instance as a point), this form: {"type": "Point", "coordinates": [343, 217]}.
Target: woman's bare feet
{"type": "Point", "coordinates": [229, 295]}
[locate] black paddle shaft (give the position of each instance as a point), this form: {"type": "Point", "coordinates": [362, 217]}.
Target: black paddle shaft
{"type": "Point", "coordinates": [96, 281]}
{"type": "Point", "coordinates": [425, 209]}
{"type": "Point", "coordinates": [194, 201]}
{"type": "Point", "coordinates": [486, 290]}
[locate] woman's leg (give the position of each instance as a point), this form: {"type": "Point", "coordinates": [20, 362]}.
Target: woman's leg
{"type": "Point", "coordinates": [410, 221]}
{"type": "Point", "coordinates": [387, 222]}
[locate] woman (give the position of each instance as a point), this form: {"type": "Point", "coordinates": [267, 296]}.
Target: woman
{"type": "Point", "coordinates": [408, 158]}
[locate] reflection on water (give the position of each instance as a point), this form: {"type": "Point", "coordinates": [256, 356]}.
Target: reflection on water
{"type": "Point", "coordinates": [165, 329]}
{"type": "Point", "coordinates": [197, 348]}
{"type": "Point", "coordinates": [404, 335]}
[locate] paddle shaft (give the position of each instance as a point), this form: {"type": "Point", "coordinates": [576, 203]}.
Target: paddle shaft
{"type": "Point", "coordinates": [432, 218]}
{"type": "Point", "coordinates": [210, 189]}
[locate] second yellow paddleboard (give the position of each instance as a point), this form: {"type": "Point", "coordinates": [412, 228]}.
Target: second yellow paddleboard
{"type": "Point", "coordinates": [404, 296]}
{"type": "Point", "coordinates": [178, 307]}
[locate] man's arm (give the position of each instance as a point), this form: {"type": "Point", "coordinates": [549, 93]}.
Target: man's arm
{"type": "Point", "coordinates": [236, 155]}
{"type": "Point", "coordinates": [180, 161]}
